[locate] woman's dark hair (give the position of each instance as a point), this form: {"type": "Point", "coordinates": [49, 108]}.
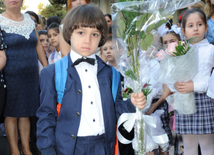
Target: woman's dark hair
{"type": "Point", "coordinates": [85, 16]}
{"type": "Point", "coordinates": [195, 10]}
{"type": "Point", "coordinates": [42, 32]}
{"type": "Point", "coordinates": [54, 26]}
{"type": "Point", "coordinates": [108, 15]}
{"type": "Point", "coordinates": [31, 13]}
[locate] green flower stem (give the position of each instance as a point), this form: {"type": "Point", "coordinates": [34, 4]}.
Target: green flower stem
{"type": "Point", "coordinates": [139, 124]}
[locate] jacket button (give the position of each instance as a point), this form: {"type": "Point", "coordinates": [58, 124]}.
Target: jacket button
{"type": "Point", "coordinates": [72, 136]}
{"type": "Point", "coordinates": [78, 114]}
{"type": "Point", "coordinates": [79, 91]}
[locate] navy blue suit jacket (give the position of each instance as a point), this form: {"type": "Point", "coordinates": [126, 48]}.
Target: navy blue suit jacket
{"type": "Point", "coordinates": [60, 133]}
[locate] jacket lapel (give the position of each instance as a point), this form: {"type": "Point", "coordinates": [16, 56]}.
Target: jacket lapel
{"type": "Point", "coordinates": [72, 72]}
{"type": "Point", "coordinates": [100, 64]}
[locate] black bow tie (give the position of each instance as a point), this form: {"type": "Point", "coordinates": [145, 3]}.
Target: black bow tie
{"type": "Point", "coordinates": [84, 59]}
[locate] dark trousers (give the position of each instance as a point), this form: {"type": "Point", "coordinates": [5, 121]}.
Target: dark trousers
{"type": "Point", "coordinates": [90, 145]}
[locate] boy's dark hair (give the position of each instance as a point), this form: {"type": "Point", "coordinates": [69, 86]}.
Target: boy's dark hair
{"type": "Point", "coordinates": [31, 13]}
{"type": "Point", "coordinates": [85, 16]}
{"type": "Point", "coordinates": [53, 19]}
{"type": "Point", "coordinates": [109, 38]}
{"type": "Point", "coordinates": [42, 32]}
{"type": "Point", "coordinates": [195, 10]}
{"type": "Point", "coordinates": [108, 15]}
{"type": "Point", "coordinates": [54, 26]}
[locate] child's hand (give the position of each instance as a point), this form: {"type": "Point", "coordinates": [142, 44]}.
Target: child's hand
{"type": "Point", "coordinates": [138, 100]}
{"type": "Point", "coordinates": [184, 87]}
{"type": "Point", "coordinates": [151, 109]}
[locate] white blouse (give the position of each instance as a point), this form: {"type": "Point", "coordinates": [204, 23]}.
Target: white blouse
{"type": "Point", "coordinates": [206, 63]}
{"type": "Point", "coordinates": [210, 91]}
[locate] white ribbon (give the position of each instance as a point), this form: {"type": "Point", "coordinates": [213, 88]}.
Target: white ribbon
{"type": "Point", "coordinates": [129, 120]}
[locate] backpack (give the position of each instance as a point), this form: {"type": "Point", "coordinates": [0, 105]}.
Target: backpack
{"type": "Point", "coordinates": [61, 78]}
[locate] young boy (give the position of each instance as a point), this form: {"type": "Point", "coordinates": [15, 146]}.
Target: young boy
{"type": "Point", "coordinates": [87, 120]}
{"type": "Point", "coordinates": [43, 37]}
{"type": "Point", "coordinates": [110, 52]}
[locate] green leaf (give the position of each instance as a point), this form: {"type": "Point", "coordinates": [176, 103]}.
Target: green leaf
{"type": "Point", "coordinates": [130, 74]}
{"type": "Point", "coordinates": [149, 40]}
{"type": "Point", "coordinates": [142, 20]}
{"type": "Point", "coordinates": [150, 28]}
{"type": "Point", "coordinates": [160, 23]}
{"type": "Point", "coordinates": [143, 45]}
{"type": "Point", "coordinates": [131, 30]}
{"type": "Point", "coordinates": [121, 29]}
{"type": "Point", "coordinates": [142, 35]}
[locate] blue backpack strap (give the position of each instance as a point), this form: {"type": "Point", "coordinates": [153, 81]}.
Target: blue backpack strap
{"type": "Point", "coordinates": [61, 77]}
{"type": "Point", "coordinates": [115, 82]}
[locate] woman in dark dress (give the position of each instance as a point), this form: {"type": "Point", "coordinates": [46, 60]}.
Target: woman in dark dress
{"type": "Point", "coordinates": [2, 83]}
{"type": "Point", "coordinates": [21, 73]}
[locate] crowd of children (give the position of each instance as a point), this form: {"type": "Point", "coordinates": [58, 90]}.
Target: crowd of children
{"type": "Point", "coordinates": [80, 90]}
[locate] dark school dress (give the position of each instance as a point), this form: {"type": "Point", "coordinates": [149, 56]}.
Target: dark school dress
{"type": "Point", "coordinates": [21, 69]}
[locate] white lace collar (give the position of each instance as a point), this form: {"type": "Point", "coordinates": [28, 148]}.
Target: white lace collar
{"type": "Point", "coordinates": [24, 27]}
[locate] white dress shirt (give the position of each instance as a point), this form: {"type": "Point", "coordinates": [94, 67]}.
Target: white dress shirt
{"type": "Point", "coordinates": [91, 122]}
{"type": "Point", "coordinates": [57, 56]}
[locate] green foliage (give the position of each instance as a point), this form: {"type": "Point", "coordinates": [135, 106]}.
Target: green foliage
{"type": "Point", "coordinates": [127, 92]}
{"type": "Point", "coordinates": [58, 2]}
{"type": "Point", "coordinates": [146, 89]}
{"type": "Point", "coordinates": [130, 74]}
{"type": "Point", "coordinates": [182, 48]}
{"type": "Point", "coordinates": [2, 7]}
{"type": "Point", "coordinates": [171, 113]}
{"type": "Point", "coordinates": [130, 29]}
{"type": "Point", "coordinates": [54, 10]}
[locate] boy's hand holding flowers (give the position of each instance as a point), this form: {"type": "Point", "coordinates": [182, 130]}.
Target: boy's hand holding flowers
{"type": "Point", "coordinates": [138, 100]}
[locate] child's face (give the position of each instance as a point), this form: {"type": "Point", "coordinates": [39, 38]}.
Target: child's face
{"type": "Point", "coordinates": [44, 40]}
{"type": "Point", "coordinates": [77, 2]}
{"type": "Point", "coordinates": [212, 1]}
{"type": "Point", "coordinates": [109, 51]}
{"type": "Point", "coordinates": [85, 40]}
{"type": "Point", "coordinates": [195, 27]}
{"type": "Point", "coordinates": [108, 20]}
{"type": "Point", "coordinates": [53, 37]}
{"type": "Point", "coordinates": [169, 38]}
